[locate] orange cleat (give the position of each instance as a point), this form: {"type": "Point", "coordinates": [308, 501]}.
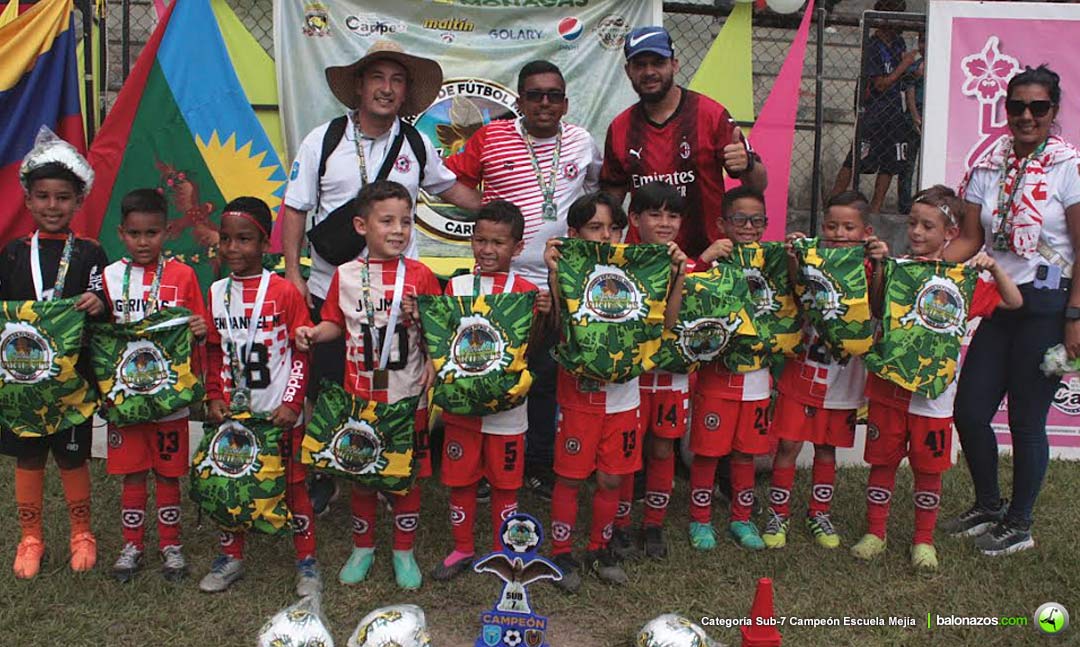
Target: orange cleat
{"type": "Point", "coordinates": [28, 557]}
{"type": "Point", "coordinates": [83, 552]}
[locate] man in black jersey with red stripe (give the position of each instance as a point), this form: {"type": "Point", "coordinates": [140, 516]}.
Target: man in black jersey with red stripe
{"type": "Point", "coordinates": [676, 136]}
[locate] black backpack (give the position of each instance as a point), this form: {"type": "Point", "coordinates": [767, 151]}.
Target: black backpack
{"type": "Point", "coordinates": [334, 238]}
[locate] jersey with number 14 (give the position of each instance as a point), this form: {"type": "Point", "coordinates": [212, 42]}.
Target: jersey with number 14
{"type": "Point", "coordinates": [275, 372]}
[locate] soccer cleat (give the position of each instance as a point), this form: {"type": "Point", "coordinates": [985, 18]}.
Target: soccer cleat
{"type": "Point", "coordinates": [924, 556]}
{"type": "Point", "coordinates": [622, 545]}
{"type": "Point", "coordinates": [571, 572]}
{"type": "Point", "coordinates": [605, 566]}
{"type": "Point", "coordinates": [28, 557]}
{"type": "Point", "coordinates": [820, 525]}
{"type": "Point", "coordinates": [974, 521]}
{"type": "Point", "coordinates": [540, 486]}
{"type": "Point", "coordinates": [702, 536]}
{"type": "Point", "coordinates": [83, 552]}
{"type": "Point", "coordinates": [174, 567]}
{"type": "Point", "coordinates": [358, 565]}
{"type": "Point", "coordinates": [225, 570]}
{"type": "Point", "coordinates": [1004, 539]}
{"type": "Point", "coordinates": [654, 542]}
{"type": "Point", "coordinates": [308, 581]}
{"type": "Point", "coordinates": [443, 572]}
{"type": "Point", "coordinates": [745, 534]}
{"type": "Point", "coordinates": [128, 563]}
{"type": "Point", "coordinates": [869, 547]}
{"type": "Point", "coordinates": [406, 570]}
{"type": "Point", "coordinates": [323, 490]}
{"type": "Point", "coordinates": [483, 491]}
{"type": "Point", "coordinates": [775, 535]}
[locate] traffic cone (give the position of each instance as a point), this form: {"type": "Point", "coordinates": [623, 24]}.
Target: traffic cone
{"type": "Point", "coordinates": [762, 632]}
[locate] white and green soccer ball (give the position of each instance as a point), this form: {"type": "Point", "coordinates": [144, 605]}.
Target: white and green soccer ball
{"type": "Point", "coordinates": [399, 625]}
{"type": "Point", "coordinates": [671, 630]}
{"type": "Point", "coordinates": [298, 625]}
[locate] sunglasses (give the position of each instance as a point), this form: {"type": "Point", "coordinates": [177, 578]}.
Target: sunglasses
{"type": "Point", "coordinates": [740, 220]}
{"type": "Point", "coordinates": [1040, 108]}
{"type": "Point", "coordinates": [538, 96]}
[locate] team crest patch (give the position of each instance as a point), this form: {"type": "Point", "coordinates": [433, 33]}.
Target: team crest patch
{"type": "Point", "coordinates": [402, 164]}
{"type": "Point", "coordinates": [684, 149]}
{"type": "Point", "coordinates": [26, 356]}
{"type": "Point", "coordinates": [116, 439]}
{"type": "Point", "coordinates": [521, 534]}
{"type": "Point", "coordinates": [712, 421]}
{"type": "Point", "coordinates": [294, 172]}
{"type": "Point", "coordinates": [478, 348]}
{"type": "Point", "coordinates": [939, 306]}
{"type": "Point", "coordinates": [611, 297]}
{"type": "Point", "coordinates": [316, 19]}
{"type": "Point", "coordinates": [233, 451]}
{"type": "Point", "coordinates": [355, 448]}
{"type": "Point", "coordinates": [821, 294]}
{"type": "Point", "coordinates": [454, 450]}
{"type": "Point", "coordinates": [872, 431]}
{"type": "Point", "coordinates": [570, 170]}
{"type": "Point", "coordinates": [611, 30]}
{"type": "Point", "coordinates": [573, 446]}
{"type": "Point", "coordinates": [143, 370]}
{"type": "Point", "coordinates": [702, 340]}
{"type": "Point", "coordinates": [763, 296]}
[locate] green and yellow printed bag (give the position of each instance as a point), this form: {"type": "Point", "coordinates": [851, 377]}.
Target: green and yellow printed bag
{"type": "Point", "coordinates": [772, 308]}
{"type": "Point", "coordinates": [834, 296]}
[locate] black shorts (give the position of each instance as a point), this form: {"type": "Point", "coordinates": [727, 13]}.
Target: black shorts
{"type": "Point", "coordinates": [327, 360]}
{"type": "Point", "coordinates": [71, 445]}
{"type": "Point", "coordinates": [885, 151]}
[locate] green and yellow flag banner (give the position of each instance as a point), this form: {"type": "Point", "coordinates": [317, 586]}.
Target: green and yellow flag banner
{"type": "Point", "coordinates": [772, 307]}
{"type": "Point", "coordinates": [714, 314]}
{"type": "Point", "coordinates": [612, 301]}
{"type": "Point", "coordinates": [924, 321]}
{"type": "Point", "coordinates": [834, 295]}
{"type": "Point", "coordinates": [478, 345]}
{"type": "Point", "coordinates": [144, 369]}
{"type": "Point", "coordinates": [41, 392]}
{"type": "Point", "coordinates": [367, 442]}
{"type": "Point", "coordinates": [238, 476]}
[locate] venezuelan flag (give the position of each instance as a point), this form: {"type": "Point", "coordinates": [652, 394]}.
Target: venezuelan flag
{"type": "Point", "coordinates": [182, 125]}
{"type": "Point", "coordinates": [39, 86]}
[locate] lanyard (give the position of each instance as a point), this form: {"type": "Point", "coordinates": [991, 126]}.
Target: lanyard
{"type": "Point", "coordinates": [253, 323]}
{"type": "Point", "coordinates": [507, 287]}
{"type": "Point", "coordinates": [361, 159]}
{"type": "Point", "coordinates": [1007, 197]}
{"type": "Point", "coordinates": [61, 270]}
{"type": "Point", "coordinates": [547, 189]}
{"type": "Point", "coordinates": [384, 345]}
{"type": "Point", "coordinates": [155, 288]}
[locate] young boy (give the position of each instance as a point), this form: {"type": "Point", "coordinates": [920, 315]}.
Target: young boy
{"type": "Point", "coordinates": [656, 211]}
{"type": "Point", "coordinates": [385, 358]}
{"type": "Point", "coordinates": [491, 446]}
{"type": "Point", "coordinates": [731, 410]}
{"type": "Point", "coordinates": [136, 287]}
{"type": "Point", "coordinates": [257, 365]}
{"type": "Point", "coordinates": [906, 424]}
{"type": "Point", "coordinates": [819, 395]}
{"type": "Point", "coordinates": [599, 423]}
{"type": "Point", "coordinates": [53, 263]}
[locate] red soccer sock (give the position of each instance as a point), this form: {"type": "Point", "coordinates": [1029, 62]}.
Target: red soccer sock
{"type": "Point", "coordinates": [232, 544]}
{"type": "Point", "coordinates": [364, 503]}
{"type": "Point", "coordinates": [564, 509]}
{"type": "Point", "coordinates": [702, 479]}
{"type": "Point", "coordinates": [742, 485]}
{"type": "Point", "coordinates": [626, 502]}
{"type": "Point", "coordinates": [463, 518]}
{"type": "Point", "coordinates": [133, 498]}
{"type": "Point", "coordinates": [406, 517]}
{"type": "Point", "coordinates": [503, 505]}
{"type": "Point", "coordinates": [783, 478]}
{"type": "Point", "coordinates": [167, 496]}
{"type": "Point", "coordinates": [821, 491]}
{"type": "Point", "coordinates": [29, 489]}
{"type": "Point", "coordinates": [77, 493]}
{"type": "Point", "coordinates": [659, 475]}
{"type": "Point", "coordinates": [303, 519]}
{"type": "Point", "coordinates": [605, 503]}
{"type": "Point", "coordinates": [927, 499]}
{"type": "Point", "coordinates": [878, 498]}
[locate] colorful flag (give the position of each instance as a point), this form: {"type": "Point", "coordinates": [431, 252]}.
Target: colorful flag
{"type": "Point", "coordinates": [925, 318]}
{"type": "Point", "coordinates": [39, 86]}
{"type": "Point", "coordinates": [834, 296]}
{"type": "Point", "coordinates": [183, 125]}
{"type": "Point", "coordinates": [775, 314]}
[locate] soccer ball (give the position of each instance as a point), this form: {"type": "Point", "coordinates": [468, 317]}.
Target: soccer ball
{"type": "Point", "coordinates": [402, 625]}
{"type": "Point", "coordinates": [298, 625]}
{"type": "Point", "coordinates": [671, 630]}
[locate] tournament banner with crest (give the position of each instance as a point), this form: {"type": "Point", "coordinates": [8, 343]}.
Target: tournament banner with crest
{"type": "Point", "coordinates": [144, 369]}
{"type": "Point", "coordinates": [772, 307]}
{"type": "Point", "coordinates": [924, 321]}
{"type": "Point", "coordinates": [833, 292]}
{"type": "Point", "coordinates": [238, 476]}
{"type": "Point", "coordinates": [367, 442]}
{"type": "Point", "coordinates": [481, 45]}
{"type": "Point", "coordinates": [611, 305]}
{"type": "Point", "coordinates": [41, 392]}
{"type": "Point", "coordinates": [478, 345]}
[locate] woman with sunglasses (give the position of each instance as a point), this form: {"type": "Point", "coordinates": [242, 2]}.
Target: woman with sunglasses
{"type": "Point", "coordinates": [1023, 205]}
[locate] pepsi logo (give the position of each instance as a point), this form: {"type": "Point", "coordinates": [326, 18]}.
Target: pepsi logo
{"type": "Point", "coordinates": [570, 29]}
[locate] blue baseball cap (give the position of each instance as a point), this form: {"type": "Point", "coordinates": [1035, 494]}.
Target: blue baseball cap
{"type": "Point", "coordinates": [648, 39]}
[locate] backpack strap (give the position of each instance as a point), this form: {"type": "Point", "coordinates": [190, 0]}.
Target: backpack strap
{"type": "Point", "coordinates": [416, 143]}
{"type": "Point", "coordinates": [334, 132]}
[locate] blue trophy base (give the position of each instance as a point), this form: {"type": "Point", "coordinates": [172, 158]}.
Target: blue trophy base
{"type": "Point", "coordinates": [505, 629]}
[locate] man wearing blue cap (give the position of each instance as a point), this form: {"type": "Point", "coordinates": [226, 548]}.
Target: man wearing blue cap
{"type": "Point", "coordinates": [677, 136]}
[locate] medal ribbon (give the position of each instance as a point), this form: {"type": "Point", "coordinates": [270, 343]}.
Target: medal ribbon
{"type": "Point", "coordinates": [546, 188]}
{"type": "Point", "coordinates": [1007, 196]}
{"type": "Point", "coordinates": [385, 345]}
{"type": "Point", "coordinates": [235, 365]}
{"type": "Point", "coordinates": [155, 287]}
{"type": "Point", "coordinates": [61, 270]}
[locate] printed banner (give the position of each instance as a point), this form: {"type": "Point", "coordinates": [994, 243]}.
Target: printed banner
{"type": "Point", "coordinates": [478, 345]}
{"type": "Point", "coordinates": [611, 306]}
{"type": "Point", "coordinates": [834, 296]}
{"type": "Point", "coordinates": [924, 321]}
{"type": "Point", "coordinates": [775, 314]}
{"type": "Point", "coordinates": [481, 46]}
{"type": "Point", "coordinates": [144, 369]}
{"type": "Point", "coordinates": [41, 392]}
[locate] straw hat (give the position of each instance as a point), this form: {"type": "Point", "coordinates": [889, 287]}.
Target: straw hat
{"type": "Point", "coordinates": [425, 77]}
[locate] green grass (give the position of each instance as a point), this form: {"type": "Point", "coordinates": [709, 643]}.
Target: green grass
{"type": "Point", "coordinates": [62, 608]}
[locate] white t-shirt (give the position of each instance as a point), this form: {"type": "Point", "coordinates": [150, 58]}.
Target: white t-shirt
{"type": "Point", "coordinates": [341, 181]}
{"type": "Point", "coordinates": [1063, 185]}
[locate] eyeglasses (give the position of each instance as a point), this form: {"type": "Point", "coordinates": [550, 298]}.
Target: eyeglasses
{"type": "Point", "coordinates": [1040, 108]}
{"type": "Point", "coordinates": [537, 96]}
{"type": "Point", "coordinates": [740, 219]}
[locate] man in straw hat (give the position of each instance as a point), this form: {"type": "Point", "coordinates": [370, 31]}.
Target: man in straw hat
{"type": "Point", "coordinates": [337, 158]}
